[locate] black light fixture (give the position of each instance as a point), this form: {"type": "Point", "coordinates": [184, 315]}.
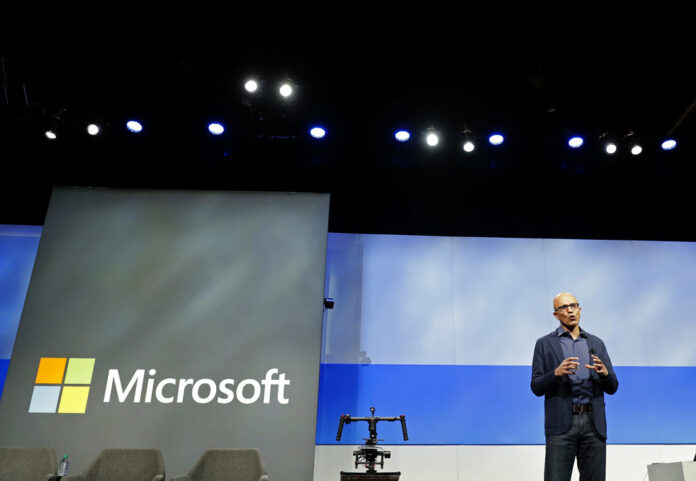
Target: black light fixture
{"type": "Point", "coordinates": [251, 85]}
{"type": "Point", "coordinates": [431, 137]}
{"type": "Point", "coordinates": [468, 144]}
{"type": "Point", "coordinates": [286, 89]}
{"type": "Point", "coordinates": [632, 142]}
{"type": "Point", "coordinates": [669, 144]}
{"type": "Point", "coordinates": [608, 143]}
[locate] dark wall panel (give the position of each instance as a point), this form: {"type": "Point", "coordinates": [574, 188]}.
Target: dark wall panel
{"type": "Point", "coordinates": [190, 296]}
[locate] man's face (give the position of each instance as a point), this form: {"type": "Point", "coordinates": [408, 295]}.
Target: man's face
{"type": "Point", "coordinates": [569, 317]}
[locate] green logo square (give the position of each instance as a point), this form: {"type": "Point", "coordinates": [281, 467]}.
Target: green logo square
{"type": "Point", "coordinates": [79, 371]}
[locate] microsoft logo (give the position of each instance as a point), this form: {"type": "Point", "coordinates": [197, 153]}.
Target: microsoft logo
{"type": "Point", "coordinates": [62, 385]}
{"type": "Point", "coordinates": [59, 388]}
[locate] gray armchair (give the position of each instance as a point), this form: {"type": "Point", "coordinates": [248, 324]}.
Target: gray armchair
{"type": "Point", "coordinates": [124, 464]}
{"type": "Point", "coordinates": [27, 464]}
{"type": "Point", "coordinates": [227, 465]}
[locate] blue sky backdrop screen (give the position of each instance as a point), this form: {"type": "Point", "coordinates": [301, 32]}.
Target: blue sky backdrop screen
{"type": "Point", "coordinates": [442, 329]}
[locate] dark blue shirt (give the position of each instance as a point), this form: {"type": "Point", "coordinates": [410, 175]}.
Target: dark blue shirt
{"type": "Point", "coordinates": [581, 390]}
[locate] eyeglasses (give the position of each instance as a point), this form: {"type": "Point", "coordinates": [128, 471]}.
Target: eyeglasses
{"type": "Point", "coordinates": [567, 307]}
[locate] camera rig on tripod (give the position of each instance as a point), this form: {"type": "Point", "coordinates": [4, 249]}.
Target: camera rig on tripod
{"type": "Point", "coordinates": [370, 455]}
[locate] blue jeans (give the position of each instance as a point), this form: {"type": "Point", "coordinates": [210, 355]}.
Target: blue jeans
{"type": "Point", "coordinates": [581, 441]}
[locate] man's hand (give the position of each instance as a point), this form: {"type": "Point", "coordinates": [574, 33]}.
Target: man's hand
{"type": "Point", "coordinates": [568, 366]}
{"type": "Point", "coordinates": [598, 366]}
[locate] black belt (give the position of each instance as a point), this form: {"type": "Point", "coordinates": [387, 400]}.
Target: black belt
{"type": "Point", "coordinates": [582, 408]}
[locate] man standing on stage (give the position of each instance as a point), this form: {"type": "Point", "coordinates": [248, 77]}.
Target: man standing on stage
{"type": "Point", "coordinates": [572, 369]}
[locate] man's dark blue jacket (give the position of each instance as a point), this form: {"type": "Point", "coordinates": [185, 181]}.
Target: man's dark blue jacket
{"type": "Point", "coordinates": [558, 408]}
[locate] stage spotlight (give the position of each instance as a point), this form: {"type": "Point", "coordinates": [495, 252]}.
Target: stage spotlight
{"type": "Point", "coordinates": [285, 90]}
{"type": "Point", "coordinates": [468, 144]}
{"type": "Point", "coordinates": [575, 142]}
{"type": "Point", "coordinates": [50, 135]}
{"type": "Point", "coordinates": [609, 143]}
{"type": "Point", "coordinates": [93, 129]}
{"type": "Point", "coordinates": [633, 141]}
{"type": "Point", "coordinates": [402, 135]}
{"type": "Point", "coordinates": [669, 144]}
{"type": "Point", "coordinates": [216, 128]}
{"type": "Point", "coordinates": [134, 126]}
{"type": "Point", "coordinates": [317, 132]}
{"type": "Point", "coordinates": [496, 139]}
{"type": "Point", "coordinates": [251, 86]}
{"type": "Point", "coordinates": [432, 139]}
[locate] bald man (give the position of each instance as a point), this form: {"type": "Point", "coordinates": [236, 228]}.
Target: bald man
{"type": "Point", "coordinates": [572, 369]}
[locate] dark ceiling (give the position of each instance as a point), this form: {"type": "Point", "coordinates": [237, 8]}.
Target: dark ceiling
{"type": "Point", "coordinates": [538, 72]}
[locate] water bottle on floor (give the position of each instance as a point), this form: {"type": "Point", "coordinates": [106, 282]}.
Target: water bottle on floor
{"type": "Point", "coordinates": [63, 467]}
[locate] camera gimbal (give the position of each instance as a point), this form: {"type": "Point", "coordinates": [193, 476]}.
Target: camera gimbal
{"type": "Point", "coordinates": [369, 453]}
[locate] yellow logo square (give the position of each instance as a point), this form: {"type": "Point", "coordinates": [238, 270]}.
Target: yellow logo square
{"type": "Point", "coordinates": [73, 399]}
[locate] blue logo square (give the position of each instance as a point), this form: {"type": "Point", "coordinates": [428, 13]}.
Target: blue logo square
{"type": "Point", "coordinates": [44, 399]}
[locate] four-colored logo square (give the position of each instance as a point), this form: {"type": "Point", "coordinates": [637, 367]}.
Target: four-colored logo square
{"type": "Point", "coordinates": [62, 385]}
